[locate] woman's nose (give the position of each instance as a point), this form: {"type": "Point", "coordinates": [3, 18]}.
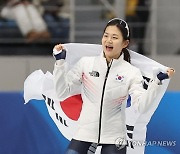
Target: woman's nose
{"type": "Point", "coordinates": [110, 40]}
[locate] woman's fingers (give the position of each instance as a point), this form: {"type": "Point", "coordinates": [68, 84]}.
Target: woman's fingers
{"type": "Point", "coordinates": [58, 47]}
{"type": "Point", "coordinates": [170, 72]}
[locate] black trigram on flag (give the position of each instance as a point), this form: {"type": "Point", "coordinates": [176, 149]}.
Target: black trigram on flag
{"type": "Point", "coordinates": [50, 103]}
{"type": "Point", "coordinates": [130, 135]}
{"type": "Point", "coordinates": [146, 82]}
{"type": "Point", "coordinates": [129, 128]}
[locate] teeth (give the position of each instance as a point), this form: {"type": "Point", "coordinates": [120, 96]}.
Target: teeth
{"type": "Point", "coordinates": [109, 47]}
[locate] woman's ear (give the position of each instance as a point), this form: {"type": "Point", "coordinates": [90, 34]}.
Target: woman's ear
{"type": "Point", "coordinates": [125, 43]}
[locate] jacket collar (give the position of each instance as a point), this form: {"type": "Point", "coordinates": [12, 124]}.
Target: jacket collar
{"type": "Point", "coordinates": [114, 61]}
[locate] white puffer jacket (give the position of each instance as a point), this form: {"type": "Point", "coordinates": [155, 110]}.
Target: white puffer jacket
{"type": "Point", "coordinates": [104, 90]}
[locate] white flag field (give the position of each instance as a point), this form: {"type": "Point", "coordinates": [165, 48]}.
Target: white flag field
{"type": "Point", "coordinates": [65, 114]}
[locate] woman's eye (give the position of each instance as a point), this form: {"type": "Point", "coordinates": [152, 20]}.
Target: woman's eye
{"type": "Point", "coordinates": [105, 36]}
{"type": "Point", "coordinates": [115, 38]}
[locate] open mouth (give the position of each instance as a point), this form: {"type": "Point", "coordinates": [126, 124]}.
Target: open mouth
{"type": "Point", "coordinates": [109, 48]}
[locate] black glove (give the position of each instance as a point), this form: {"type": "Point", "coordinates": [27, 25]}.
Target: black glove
{"type": "Point", "coordinates": [162, 76]}
{"type": "Point", "coordinates": [60, 55]}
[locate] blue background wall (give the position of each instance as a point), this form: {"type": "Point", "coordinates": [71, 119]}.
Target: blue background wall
{"type": "Point", "coordinates": [28, 129]}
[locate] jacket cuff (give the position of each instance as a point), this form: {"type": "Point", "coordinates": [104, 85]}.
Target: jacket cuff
{"type": "Point", "coordinates": [60, 55]}
{"type": "Point", "coordinates": [59, 62]}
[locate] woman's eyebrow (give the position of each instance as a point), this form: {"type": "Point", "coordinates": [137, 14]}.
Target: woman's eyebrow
{"type": "Point", "coordinates": [112, 34]}
{"type": "Point", "coordinates": [115, 35]}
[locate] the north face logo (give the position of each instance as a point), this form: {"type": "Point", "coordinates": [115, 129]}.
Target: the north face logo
{"type": "Point", "coordinates": [94, 73]}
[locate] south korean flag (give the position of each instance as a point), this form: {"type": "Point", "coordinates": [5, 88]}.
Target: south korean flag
{"type": "Point", "coordinates": [66, 113]}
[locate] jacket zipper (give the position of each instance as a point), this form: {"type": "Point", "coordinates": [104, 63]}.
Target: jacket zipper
{"type": "Point", "coordinates": [104, 85]}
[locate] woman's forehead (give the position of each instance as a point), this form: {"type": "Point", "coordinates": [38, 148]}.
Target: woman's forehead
{"type": "Point", "coordinates": [112, 30]}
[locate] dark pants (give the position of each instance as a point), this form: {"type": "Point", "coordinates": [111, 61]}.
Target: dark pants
{"type": "Point", "coordinates": [81, 147]}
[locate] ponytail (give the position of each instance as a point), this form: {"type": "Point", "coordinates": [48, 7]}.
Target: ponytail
{"type": "Point", "coordinates": [127, 56]}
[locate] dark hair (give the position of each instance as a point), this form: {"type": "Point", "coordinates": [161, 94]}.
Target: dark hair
{"type": "Point", "coordinates": [124, 28]}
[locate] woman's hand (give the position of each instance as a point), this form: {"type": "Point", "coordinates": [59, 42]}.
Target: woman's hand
{"type": "Point", "coordinates": [59, 52]}
{"type": "Point", "coordinates": [170, 72]}
{"type": "Point", "coordinates": [162, 76]}
{"type": "Point", "coordinates": [58, 47]}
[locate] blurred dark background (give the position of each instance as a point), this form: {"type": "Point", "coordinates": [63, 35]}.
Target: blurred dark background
{"type": "Point", "coordinates": [13, 42]}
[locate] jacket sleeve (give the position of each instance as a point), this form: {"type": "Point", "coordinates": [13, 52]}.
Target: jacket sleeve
{"type": "Point", "coordinates": [67, 83]}
{"type": "Point", "coordinates": [142, 99]}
